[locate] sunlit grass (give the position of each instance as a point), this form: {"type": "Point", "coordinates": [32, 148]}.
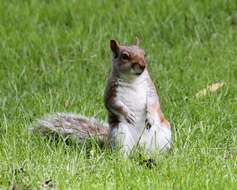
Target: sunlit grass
{"type": "Point", "coordinates": [55, 57]}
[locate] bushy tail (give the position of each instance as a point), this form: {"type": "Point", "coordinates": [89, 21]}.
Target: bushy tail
{"type": "Point", "coordinates": [69, 125]}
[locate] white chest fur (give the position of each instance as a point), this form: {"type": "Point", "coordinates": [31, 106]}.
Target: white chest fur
{"type": "Point", "coordinates": [133, 95]}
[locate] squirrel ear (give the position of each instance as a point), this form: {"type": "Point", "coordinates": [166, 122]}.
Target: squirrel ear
{"type": "Point", "coordinates": [136, 41]}
{"type": "Point", "coordinates": [114, 47]}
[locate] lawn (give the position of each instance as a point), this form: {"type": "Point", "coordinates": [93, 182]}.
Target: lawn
{"type": "Point", "coordinates": [55, 57]}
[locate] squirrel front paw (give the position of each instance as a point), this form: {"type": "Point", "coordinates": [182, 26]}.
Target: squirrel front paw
{"type": "Point", "coordinates": [130, 118]}
{"type": "Point", "coordinates": [149, 121]}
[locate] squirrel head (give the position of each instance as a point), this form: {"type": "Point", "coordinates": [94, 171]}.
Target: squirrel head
{"type": "Point", "coordinates": [128, 60]}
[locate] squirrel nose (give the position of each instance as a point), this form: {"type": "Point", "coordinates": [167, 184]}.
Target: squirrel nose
{"type": "Point", "coordinates": [140, 66]}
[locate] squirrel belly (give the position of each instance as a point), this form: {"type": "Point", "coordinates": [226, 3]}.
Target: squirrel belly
{"type": "Point", "coordinates": [70, 125]}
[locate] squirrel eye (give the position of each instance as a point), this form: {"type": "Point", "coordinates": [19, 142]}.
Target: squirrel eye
{"type": "Point", "coordinates": [125, 56]}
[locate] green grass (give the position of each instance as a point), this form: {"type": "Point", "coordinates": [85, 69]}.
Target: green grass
{"type": "Point", "coordinates": [52, 52]}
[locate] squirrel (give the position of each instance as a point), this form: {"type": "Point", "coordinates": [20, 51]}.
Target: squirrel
{"type": "Point", "coordinates": [134, 114]}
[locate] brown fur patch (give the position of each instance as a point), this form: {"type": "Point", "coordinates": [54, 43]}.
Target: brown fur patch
{"type": "Point", "coordinates": [109, 98]}
{"type": "Point", "coordinates": [163, 120]}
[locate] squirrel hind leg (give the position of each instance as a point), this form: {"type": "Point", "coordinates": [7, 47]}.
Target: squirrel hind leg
{"type": "Point", "coordinates": [157, 140]}
{"type": "Point", "coordinates": [121, 138]}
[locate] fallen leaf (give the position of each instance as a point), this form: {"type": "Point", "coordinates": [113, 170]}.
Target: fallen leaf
{"type": "Point", "coordinates": [215, 86]}
{"type": "Point", "coordinates": [67, 103]}
{"type": "Point", "coordinates": [210, 88]}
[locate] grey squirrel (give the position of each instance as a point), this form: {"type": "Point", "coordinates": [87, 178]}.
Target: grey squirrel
{"type": "Point", "coordinates": [134, 114]}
